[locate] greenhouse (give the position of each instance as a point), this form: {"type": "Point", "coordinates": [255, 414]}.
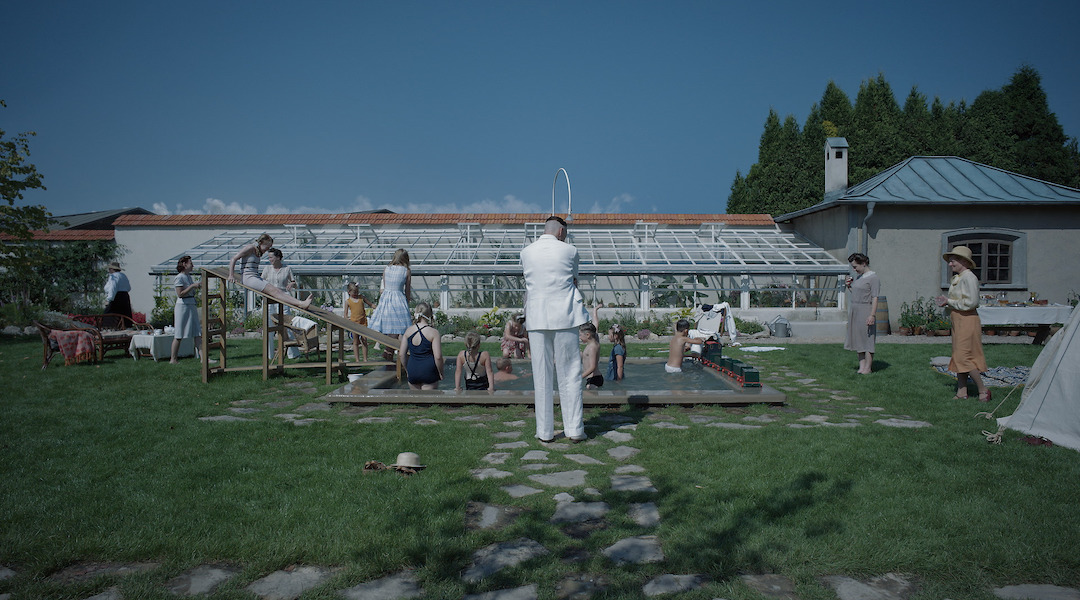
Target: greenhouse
{"type": "Point", "coordinates": [640, 266]}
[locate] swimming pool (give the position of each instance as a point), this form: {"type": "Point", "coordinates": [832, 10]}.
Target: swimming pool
{"type": "Point", "coordinates": [646, 383]}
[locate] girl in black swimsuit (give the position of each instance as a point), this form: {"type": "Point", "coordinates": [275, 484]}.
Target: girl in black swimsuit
{"type": "Point", "coordinates": [474, 365]}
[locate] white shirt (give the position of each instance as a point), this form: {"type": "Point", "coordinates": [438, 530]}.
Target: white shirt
{"type": "Point", "coordinates": [117, 282]}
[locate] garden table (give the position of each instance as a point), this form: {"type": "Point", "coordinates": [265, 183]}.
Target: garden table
{"type": "Point", "coordinates": [158, 346]}
{"type": "Point", "coordinates": [1043, 316]}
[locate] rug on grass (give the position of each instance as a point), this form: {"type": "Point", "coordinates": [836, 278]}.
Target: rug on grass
{"type": "Point", "coordinates": [996, 376]}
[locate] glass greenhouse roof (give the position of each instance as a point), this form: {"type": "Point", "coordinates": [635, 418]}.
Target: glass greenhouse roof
{"type": "Point", "coordinates": [471, 248]}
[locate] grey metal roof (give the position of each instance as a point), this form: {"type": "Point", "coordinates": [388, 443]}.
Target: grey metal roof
{"type": "Point", "coordinates": [102, 219]}
{"type": "Point", "coordinates": [946, 180]}
{"type": "Point", "coordinates": [475, 249]}
{"type": "Point", "coordinates": [837, 142]}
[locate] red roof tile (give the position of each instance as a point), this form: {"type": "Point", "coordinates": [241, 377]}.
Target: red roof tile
{"type": "Point", "coordinates": [72, 235]}
{"type": "Point", "coordinates": [385, 219]}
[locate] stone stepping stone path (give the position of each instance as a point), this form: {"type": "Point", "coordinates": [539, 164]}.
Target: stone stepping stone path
{"type": "Point", "coordinates": [402, 585]}
{"type": "Point", "coordinates": [202, 580]}
{"type": "Point", "coordinates": [491, 559]}
{"type": "Point", "coordinates": [290, 583]}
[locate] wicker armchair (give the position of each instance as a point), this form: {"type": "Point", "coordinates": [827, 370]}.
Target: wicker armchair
{"type": "Point", "coordinates": [52, 346]}
{"type": "Point", "coordinates": [115, 330]}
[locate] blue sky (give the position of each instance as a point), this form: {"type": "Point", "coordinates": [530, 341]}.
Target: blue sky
{"type": "Point", "coordinates": [256, 107]}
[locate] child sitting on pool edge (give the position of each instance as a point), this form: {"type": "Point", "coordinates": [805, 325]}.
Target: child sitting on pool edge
{"type": "Point", "coordinates": [679, 342]}
{"type": "Point", "coordinates": [590, 356]}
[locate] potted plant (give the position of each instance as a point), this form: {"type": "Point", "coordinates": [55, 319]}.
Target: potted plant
{"type": "Point", "coordinates": [911, 318]}
{"type": "Point", "coordinates": [940, 326]}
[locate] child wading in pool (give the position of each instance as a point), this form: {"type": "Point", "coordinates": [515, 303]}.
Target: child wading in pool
{"type": "Point", "coordinates": [355, 311]}
{"type": "Point", "coordinates": [505, 370]}
{"type": "Point", "coordinates": [590, 356]}
{"type": "Point", "coordinates": [679, 342]}
{"type": "Point", "coordinates": [616, 369]}
{"type": "Point", "coordinates": [474, 365]}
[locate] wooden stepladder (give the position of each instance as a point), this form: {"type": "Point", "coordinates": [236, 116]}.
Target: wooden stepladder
{"type": "Point", "coordinates": [213, 324]}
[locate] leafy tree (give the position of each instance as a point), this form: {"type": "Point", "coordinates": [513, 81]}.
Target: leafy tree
{"type": "Point", "coordinates": [945, 128]}
{"type": "Point", "coordinates": [835, 109]}
{"type": "Point", "coordinates": [1011, 128]}
{"type": "Point", "coordinates": [772, 185]}
{"type": "Point", "coordinates": [916, 135]}
{"type": "Point", "coordinates": [984, 132]}
{"type": "Point", "coordinates": [875, 130]}
{"type": "Point", "coordinates": [1040, 148]}
{"type": "Point", "coordinates": [67, 277]}
{"type": "Point", "coordinates": [17, 223]}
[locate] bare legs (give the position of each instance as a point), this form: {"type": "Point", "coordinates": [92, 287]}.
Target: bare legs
{"type": "Point", "coordinates": [280, 296]}
{"type": "Point", "coordinates": [962, 383]}
{"type": "Point", "coordinates": [388, 352]}
{"type": "Point", "coordinates": [176, 348]}
{"type": "Point", "coordinates": [866, 362]}
{"type": "Point", "coordinates": [357, 341]}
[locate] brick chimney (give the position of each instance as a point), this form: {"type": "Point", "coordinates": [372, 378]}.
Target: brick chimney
{"type": "Point", "coordinates": [836, 156]}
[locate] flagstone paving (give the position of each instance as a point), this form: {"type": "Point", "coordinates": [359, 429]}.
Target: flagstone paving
{"type": "Point", "coordinates": [513, 458]}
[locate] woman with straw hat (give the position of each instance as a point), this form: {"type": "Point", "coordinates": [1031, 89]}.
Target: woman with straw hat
{"type": "Point", "coordinates": [962, 303]}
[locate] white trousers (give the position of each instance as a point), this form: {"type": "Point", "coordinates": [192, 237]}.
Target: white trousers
{"type": "Point", "coordinates": [557, 350]}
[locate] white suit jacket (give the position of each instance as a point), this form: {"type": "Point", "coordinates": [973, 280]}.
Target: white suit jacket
{"type": "Point", "coordinates": [552, 300]}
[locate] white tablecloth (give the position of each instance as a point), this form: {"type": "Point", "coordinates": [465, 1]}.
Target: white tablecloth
{"type": "Point", "coordinates": [159, 346]}
{"type": "Point", "coordinates": [1025, 315]}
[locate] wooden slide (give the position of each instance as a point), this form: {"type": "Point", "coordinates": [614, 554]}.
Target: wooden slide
{"type": "Point", "coordinates": [332, 320]}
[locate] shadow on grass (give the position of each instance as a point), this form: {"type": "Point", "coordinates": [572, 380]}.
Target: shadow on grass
{"type": "Point", "coordinates": [729, 535]}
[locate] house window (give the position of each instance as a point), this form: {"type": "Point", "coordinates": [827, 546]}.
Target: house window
{"type": "Point", "coordinates": [839, 154]}
{"type": "Point", "coordinates": [992, 260]}
{"type": "Point", "coordinates": [1000, 256]}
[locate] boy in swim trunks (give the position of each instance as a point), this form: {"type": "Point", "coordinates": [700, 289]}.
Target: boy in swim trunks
{"type": "Point", "coordinates": [590, 356]}
{"type": "Point", "coordinates": [504, 370]}
{"type": "Point", "coordinates": [679, 343]}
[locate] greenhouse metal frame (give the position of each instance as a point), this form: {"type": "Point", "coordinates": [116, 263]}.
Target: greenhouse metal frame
{"type": "Point", "coordinates": [470, 265]}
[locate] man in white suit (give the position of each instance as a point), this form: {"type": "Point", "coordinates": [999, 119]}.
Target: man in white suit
{"type": "Point", "coordinates": [554, 308]}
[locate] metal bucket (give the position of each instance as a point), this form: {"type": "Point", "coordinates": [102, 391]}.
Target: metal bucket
{"type": "Point", "coordinates": [781, 327]}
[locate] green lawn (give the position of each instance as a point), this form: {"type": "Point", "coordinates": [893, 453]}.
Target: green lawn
{"type": "Point", "coordinates": [110, 462]}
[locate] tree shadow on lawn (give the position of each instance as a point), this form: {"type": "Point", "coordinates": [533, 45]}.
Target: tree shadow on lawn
{"type": "Point", "coordinates": [722, 544]}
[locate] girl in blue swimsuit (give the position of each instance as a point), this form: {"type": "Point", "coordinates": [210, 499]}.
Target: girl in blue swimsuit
{"type": "Point", "coordinates": [421, 351]}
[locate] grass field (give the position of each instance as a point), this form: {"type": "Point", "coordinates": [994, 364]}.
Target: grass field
{"type": "Point", "coordinates": [111, 462]}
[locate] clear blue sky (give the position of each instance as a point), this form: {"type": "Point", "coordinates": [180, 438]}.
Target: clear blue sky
{"type": "Point", "coordinates": [255, 107]}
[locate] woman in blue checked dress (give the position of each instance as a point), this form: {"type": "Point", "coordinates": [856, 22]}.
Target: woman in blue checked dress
{"type": "Point", "coordinates": [391, 315]}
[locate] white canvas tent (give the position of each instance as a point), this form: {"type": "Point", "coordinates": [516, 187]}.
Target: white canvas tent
{"type": "Point", "coordinates": [1050, 404]}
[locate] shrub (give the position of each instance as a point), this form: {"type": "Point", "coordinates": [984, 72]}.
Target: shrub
{"type": "Point", "coordinates": [20, 315]}
{"type": "Point", "coordinates": [748, 327]}
{"type": "Point", "coordinates": [460, 325]}
{"type": "Point", "coordinates": [492, 320]}
{"type": "Point", "coordinates": [253, 321]}
{"type": "Point", "coordinates": [162, 315]}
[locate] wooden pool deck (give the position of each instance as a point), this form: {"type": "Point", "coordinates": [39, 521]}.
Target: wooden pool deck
{"type": "Point", "coordinates": [378, 387]}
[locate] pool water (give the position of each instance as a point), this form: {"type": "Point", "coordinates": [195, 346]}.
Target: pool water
{"type": "Point", "coordinates": [640, 374]}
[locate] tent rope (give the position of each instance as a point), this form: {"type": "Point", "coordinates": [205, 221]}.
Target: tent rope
{"type": "Point", "coordinates": [994, 438]}
{"type": "Point", "coordinates": [990, 415]}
